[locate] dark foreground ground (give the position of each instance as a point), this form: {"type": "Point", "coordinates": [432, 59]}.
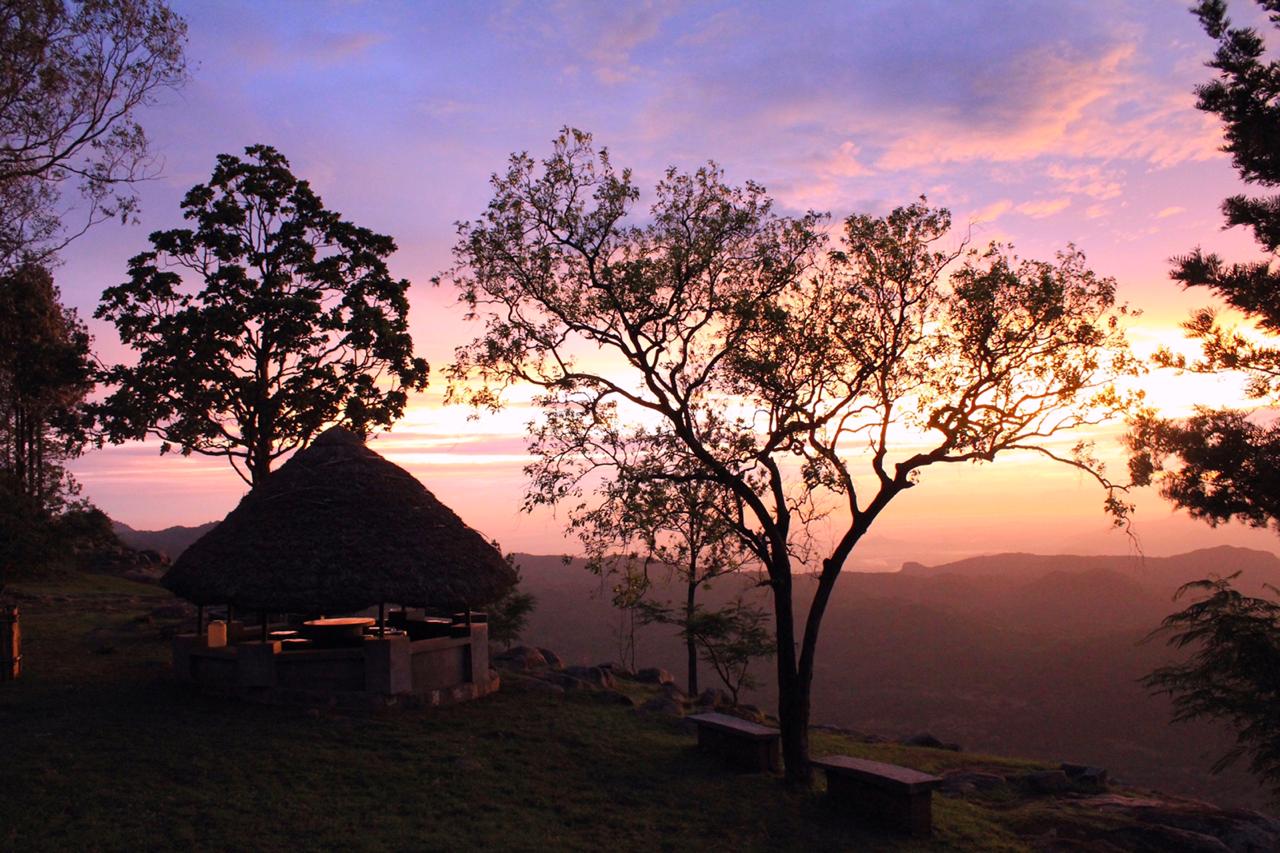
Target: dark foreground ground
{"type": "Point", "coordinates": [100, 750]}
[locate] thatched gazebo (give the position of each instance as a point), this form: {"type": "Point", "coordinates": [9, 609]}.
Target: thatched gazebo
{"type": "Point", "coordinates": [335, 530]}
{"type": "Point", "coordinates": [339, 528]}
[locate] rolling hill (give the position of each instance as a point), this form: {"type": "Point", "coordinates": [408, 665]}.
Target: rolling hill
{"type": "Point", "coordinates": [171, 541]}
{"type": "Point", "coordinates": [1016, 654]}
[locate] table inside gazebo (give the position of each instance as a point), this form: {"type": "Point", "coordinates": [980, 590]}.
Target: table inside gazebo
{"type": "Point", "coordinates": [343, 629]}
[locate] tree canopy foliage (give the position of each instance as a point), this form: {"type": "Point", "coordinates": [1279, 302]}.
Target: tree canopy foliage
{"type": "Point", "coordinates": [1221, 464]}
{"type": "Point", "coordinates": [633, 524]}
{"type": "Point", "coordinates": [46, 371]}
{"type": "Point", "coordinates": [1233, 673]}
{"type": "Point", "coordinates": [1224, 464]}
{"type": "Point", "coordinates": [804, 382]}
{"type": "Point", "coordinates": [269, 319]}
{"type": "Point", "coordinates": [73, 75]}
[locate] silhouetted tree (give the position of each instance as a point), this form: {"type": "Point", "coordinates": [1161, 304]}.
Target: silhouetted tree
{"type": "Point", "coordinates": [73, 75]}
{"type": "Point", "coordinates": [509, 615]}
{"type": "Point", "coordinates": [729, 638]}
{"type": "Point", "coordinates": [1234, 673]}
{"type": "Point", "coordinates": [777, 368]}
{"type": "Point", "coordinates": [46, 370]}
{"type": "Point", "coordinates": [292, 322]}
{"type": "Point", "coordinates": [1222, 464]}
{"type": "Point", "coordinates": [633, 524]}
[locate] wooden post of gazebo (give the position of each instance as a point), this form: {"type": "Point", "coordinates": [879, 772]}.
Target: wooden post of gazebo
{"type": "Point", "coordinates": [10, 644]}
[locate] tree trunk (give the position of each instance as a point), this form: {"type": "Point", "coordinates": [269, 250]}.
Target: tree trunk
{"type": "Point", "coordinates": [793, 691]}
{"type": "Point", "coordinates": [690, 646]}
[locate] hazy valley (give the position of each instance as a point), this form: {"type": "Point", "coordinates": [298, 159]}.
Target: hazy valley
{"type": "Point", "coordinates": [1014, 654]}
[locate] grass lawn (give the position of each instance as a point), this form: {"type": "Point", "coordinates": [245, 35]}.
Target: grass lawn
{"type": "Point", "coordinates": [101, 750]}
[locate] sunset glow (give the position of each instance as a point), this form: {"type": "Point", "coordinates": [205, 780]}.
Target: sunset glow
{"type": "Point", "coordinates": [1041, 124]}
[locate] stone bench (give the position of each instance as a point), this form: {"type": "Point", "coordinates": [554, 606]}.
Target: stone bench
{"type": "Point", "coordinates": [743, 744]}
{"type": "Point", "coordinates": [897, 797]}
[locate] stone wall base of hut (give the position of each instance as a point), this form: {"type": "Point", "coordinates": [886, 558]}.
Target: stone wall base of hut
{"type": "Point", "coordinates": [388, 671]}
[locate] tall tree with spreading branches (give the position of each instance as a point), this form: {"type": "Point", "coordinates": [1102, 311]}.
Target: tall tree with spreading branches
{"type": "Point", "coordinates": [269, 319]}
{"type": "Point", "coordinates": [791, 377]}
{"type": "Point", "coordinates": [74, 74]}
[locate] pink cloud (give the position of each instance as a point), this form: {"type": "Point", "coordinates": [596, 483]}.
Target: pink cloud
{"type": "Point", "coordinates": [1075, 107]}
{"type": "Point", "coordinates": [991, 212]}
{"type": "Point", "coordinates": [1043, 208]}
{"type": "Point", "coordinates": [1087, 179]}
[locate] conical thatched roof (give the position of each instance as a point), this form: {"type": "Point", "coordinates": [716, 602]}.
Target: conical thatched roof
{"type": "Point", "coordinates": [338, 528]}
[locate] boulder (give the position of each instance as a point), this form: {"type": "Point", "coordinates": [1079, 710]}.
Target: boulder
{"type": "Point", "coordinates": [1163, 838]}
{"type": "Point", "coordinates": [617, 670]}
{"type": "Point", "coordinates": [927, 740]}
{"type": "Point", "coordinates": [663, 705]}
{"type": "Point", "coordinates": [565, 681]}
{"type": "Point", "coordinates": [1191, 822]}
{"type": "Point", "coordinates": [532, 684]}
{"type": "Point", "coordinates": [593, 675]}
{"type": "Point", "coordinates": [553, 660]}
{"type": "Point", "coordinates": [1085, 776]}
{"type": "Point", "coordinates": [521, 658]}
{"type": "Point", "coordinates": [747, 712]}
{"type": "Point", "coordinates": [1045, 781]}
{"type": "Point", "coordinates": [963, 781]}
{"type": "Point", "coordinates": [611, 697]}
{"type": "Point", "coordinates": [712, 698]}
{"type": "Point", "coordinates": [655, 675]}
{"type": "Point", "coordinates": [675, 693]}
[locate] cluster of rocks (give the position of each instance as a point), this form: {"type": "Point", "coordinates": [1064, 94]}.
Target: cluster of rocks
{"type": "Point", "coordinates": [1162, 822]}
{"type": "Point", "coordinates": [1078, 778]}
{"type": "Point", "coordinates": [542, 670]}
{"type": "Point", "coordinates": [1147, 821]}
{"type": "Point", "coordinates": [924, 739]}
{"type": "Point", "coordinates": [1151, 822]}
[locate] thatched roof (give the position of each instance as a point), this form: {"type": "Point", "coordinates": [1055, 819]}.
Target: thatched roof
{"type": "Point", "coordinates": [338, 528]}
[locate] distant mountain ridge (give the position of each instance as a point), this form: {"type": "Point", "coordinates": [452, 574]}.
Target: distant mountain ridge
{"type": "Point", "coordinates": [1150, 572]}
{"type": "Point", "coordinates": [171, 541]}
{"type": "Point", "coordinates": [1013, 654]}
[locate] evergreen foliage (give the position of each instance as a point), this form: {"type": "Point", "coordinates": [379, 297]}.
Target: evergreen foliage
{"type": "Point", "coordinates": [1224, 464]}
{"type": "Point", "coordinates": [1234, 672]}
{"type": "Point", "coordinates": [1221, 464]}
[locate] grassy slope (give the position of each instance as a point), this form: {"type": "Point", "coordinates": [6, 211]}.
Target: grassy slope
{"type": "Point", "coordinates": [102, 751]}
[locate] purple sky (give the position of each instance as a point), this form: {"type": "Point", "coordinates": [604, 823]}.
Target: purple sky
{"type": "Point", "coordinates": [1041, 123]}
